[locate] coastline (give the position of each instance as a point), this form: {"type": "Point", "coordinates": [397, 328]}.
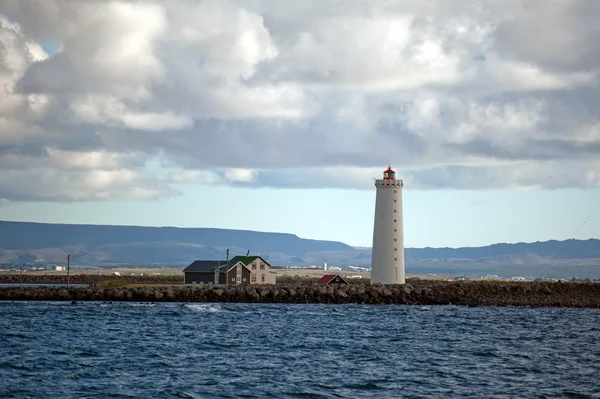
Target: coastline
{"type": "Point", "coordinates": [470, 293]}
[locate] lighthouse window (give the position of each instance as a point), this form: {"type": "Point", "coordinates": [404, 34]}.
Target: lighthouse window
{"type": "Point", "coordinates": [395, 230]}
{"type": "Point", "coordinates": [395, 239]}
{"type": "Point", "coordinates": [394, 220]}
{"type": "Point", "coordinates": [395, 258]}
{"type": "Point", "coordinates": [394, 190]}
{"type": "Point", "coordinates": [395, 249]}
{"type": "Point", "coordinates": [395, 201]}
{"type": "Point", "coordinates": [395, 211]}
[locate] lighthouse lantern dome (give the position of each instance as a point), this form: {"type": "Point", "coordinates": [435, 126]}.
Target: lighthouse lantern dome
{"type": "Point", "coordinates": [389, 174]}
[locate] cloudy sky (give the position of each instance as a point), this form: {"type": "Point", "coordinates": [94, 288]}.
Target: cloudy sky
{"type": "Point", "coordinates": [276, 115]}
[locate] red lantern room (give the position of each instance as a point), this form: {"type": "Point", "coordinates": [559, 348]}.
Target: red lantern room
{"type": "Point", "coordinates": [389, 174]}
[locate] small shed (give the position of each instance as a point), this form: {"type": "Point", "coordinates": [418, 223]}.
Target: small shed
{"type": "Point", "coordinates": [331, 279]}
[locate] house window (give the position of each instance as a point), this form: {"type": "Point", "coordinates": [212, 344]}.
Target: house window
{"type": "Point", "coordinates": [239, 279]}
{"type": "Point", "coordinates": [262, 266]}
{"type": "Point", "coordinates": [254, 266]}
{"type": "Point", "coordinates": [262, 278]}
{"type": "Point", "coordinates": [253, 278]}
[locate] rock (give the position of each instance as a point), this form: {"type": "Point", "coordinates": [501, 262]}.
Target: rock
{"type": "Point", "coordinates": [170, 294]}
{"type": "Point", "coordinates": [63, 294]}
{"type": "Point", "coordinates": [544, 289]}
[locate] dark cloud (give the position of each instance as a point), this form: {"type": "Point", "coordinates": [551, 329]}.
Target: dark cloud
{"type": "Point", "coordinates": [560, 35]}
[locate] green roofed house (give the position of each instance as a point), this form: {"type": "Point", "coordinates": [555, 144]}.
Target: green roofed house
{"type": "Point", "coordinates": [260, 270]}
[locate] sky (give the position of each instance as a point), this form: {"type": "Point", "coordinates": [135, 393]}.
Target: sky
{"type": "Point", "coordinates": [276, 116]}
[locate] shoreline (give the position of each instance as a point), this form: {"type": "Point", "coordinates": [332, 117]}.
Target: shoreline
{"type": "Point", "coordinates": [472, 293]}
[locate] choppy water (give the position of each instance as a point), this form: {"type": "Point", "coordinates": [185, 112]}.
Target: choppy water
{"type": "Point", "coordinates": [93, 350]}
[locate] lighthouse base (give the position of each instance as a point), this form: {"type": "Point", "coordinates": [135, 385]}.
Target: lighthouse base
{"type": "Point", "coordinates": [387, 274]}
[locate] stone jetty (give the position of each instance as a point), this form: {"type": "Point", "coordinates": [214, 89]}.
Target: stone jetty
{"type": "Point", "coordinates": [471, 293]}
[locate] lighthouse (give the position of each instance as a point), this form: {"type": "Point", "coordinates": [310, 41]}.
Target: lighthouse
{"type": "Point", "coordinates": [387, 261]}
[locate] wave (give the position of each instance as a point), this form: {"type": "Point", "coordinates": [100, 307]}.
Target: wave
{"type": "Point", "coordinates": [204, 307]}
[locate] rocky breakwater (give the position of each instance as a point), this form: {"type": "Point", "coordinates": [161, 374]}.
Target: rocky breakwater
{"type": "Point", "coordinates": [538, 294]}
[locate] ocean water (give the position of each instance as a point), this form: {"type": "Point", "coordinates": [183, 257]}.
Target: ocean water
{"type": "Point", "coordinates": [169, 350]}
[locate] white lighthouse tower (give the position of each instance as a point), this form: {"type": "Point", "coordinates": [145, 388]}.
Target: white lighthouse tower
{"type": "Point", "coordinates": [387, 262]}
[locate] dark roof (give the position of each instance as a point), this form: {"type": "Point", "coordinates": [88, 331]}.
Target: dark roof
{"type": "Point", "coordinates": [326, 279]}
{"type": "Point", "coordinates": [246, 260]}
{"type": "Point", "coordinates": [204, 266]}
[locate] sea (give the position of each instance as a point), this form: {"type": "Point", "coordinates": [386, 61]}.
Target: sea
{"type": "Point", "coordinates": [223, 350]}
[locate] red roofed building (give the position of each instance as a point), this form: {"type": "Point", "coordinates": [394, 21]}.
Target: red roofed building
{"type": "Point", "coordinates": [331, 279]}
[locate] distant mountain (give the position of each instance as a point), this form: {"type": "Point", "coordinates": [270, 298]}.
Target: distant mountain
{"type": "Point", "coordinates": [134, 245]}
{"type": "Point", "coordinates": [21, 241]}
{"type": "Point", "coordinates": [569, 249]}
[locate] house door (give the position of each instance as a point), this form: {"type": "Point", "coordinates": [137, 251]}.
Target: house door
{"type": "Point", "coordinates": [238, 275]}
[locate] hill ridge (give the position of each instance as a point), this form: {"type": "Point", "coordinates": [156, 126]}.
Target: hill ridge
{"type": "Point", "coordinates": [126, 244]}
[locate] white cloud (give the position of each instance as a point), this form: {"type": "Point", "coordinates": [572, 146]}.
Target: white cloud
{"type": "Point", "coordinates": [259, 93]}
{"type": "Point", "coordinates": [241, 175]}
